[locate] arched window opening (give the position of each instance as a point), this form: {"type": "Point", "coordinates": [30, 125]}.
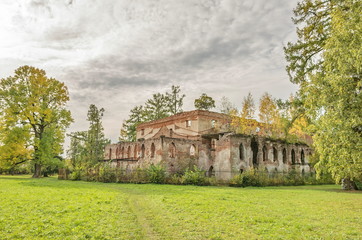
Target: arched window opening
{"type": "Point", "coordinates": [192, 150]}
{"type": "Point", "coordinates": [172, 150]}
{"type": "Point", "coordinates": [142, 151]}
{"type": "Point", "coordinates": [110, 153]}
{"type": "Point", "coordinates": [117, 152]}
{"type": "Point", "coordinates": [302, 160]}
{"type": "Point", "coordinates": [171, 132]}
{"type": "Point", "coordinates": [122, 152]}
{"type": "Point", "coordinates": [241, 152]}
{"type": "Point", "coordinates": [275, 154]}
{"type": "Point", "coordinates": [153, 149]}
{"type": "Point", "coordinates": [135, 152]}
{"type": "Point", "coordinates": [293, 156]}
{"type": "Point", "coordinates": [211, 171]}
{"type": "Point", "coordinates": [129, 152]}
{"type": "Point", "coordinates": [284, 155]}
{"type": "Point", "coordinates": [241, 171]}
{"type": "Point", "coordinates": [265, 157]}
{"type": "Point", "coordinates": [254, 148]}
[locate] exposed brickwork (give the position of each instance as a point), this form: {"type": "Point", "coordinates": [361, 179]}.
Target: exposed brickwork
{"type": "Point", "coordinates": [222, 154]}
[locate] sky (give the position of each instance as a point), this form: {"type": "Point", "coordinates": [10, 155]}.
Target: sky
{"type": "Point", "coordinates": [117, 53]}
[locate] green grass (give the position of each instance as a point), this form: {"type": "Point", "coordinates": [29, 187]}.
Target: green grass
{"type": "Point", "coordinates": [51, 209]}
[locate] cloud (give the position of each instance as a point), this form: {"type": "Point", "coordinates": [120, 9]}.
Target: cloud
{"type": "Point", "coordinates": [117, 53]}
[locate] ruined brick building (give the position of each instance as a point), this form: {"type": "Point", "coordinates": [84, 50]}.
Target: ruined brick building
{"type": "Point", "coordinates": [202, 137]}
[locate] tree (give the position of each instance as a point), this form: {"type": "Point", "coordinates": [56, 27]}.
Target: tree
{"type": "Point", "coordinates": [33, 105]}
{"type": "Point", "coordinates": [137, 116]}
{"type": "Point", "coordinates": [204, 102]}
{"type": "Point", "coordinates": [248, 107]}
{"type": "Point", "coordinates": [174, 100]}
{"type": "Point", "coordinates": [77, 149]}
{"type": "Point", "coordinates": [87, 147]}
{"type": "Point", "coordinates": [226, 106]}
{"type": "Point", "coordinates": [244, 122]}
{"type": "Point", "coordinates": [95, 139]}
{"type": "Point", "coordinates": [159, 106]}
{"type": "Point", "coordinates": [156, 107]}
{"type": "Point", "coordinates": [269, 115]}
{"type": "Point", "coordinates": [326, 63]}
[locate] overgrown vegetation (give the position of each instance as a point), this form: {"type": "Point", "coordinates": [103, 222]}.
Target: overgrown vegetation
{"type": "Point", "coordinates": [103, 172]}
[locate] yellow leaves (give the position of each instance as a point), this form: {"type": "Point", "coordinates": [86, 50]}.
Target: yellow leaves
{"type": "Point", "coordinates": [37, 103]}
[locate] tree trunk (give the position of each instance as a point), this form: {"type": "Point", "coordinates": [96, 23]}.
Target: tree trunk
{"type": "Point", "coordinates": [348, 184]}
{"type": "Point", "coordinates": [37, 172]}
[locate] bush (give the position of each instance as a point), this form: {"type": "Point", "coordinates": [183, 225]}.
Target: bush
{"type": "Point", "coordinates": [195, 176]}
{"type": "Point", "coordinates": [76, 175]}
{"type": "Point", "coordinates": [106, 173]}
{"type": "Point", "coordinates": [156, 174]}
{"type": "Point", "coordinates": [174, 179]}
{"type": "Point", "coordinates": [138, 175]}
{"type": "Point", "coordinates": [237, 181]}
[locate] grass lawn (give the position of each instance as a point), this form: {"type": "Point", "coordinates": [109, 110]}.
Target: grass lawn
{"type": "Point", "coordinates": [51, 209]}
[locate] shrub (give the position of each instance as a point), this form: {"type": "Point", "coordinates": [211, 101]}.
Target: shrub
{"type": "Point", "coordinates": [174, 179]}
{"type": "Point", "coordinates": [76, 175]}
{"type": "Point", "coordinates": [237, 181]}
{"type": "Point", "coordinates": [156, 174]}
{"type": "Point", "coordinates": [106, 173]}
{"type": "Point", "coordinates": [195, 176]}
{"type": "Point", "coordinates": [138, 175]}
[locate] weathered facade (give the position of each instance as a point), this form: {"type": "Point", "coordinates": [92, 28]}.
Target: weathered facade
{"type": "Point", "coordinates": [202, 138]}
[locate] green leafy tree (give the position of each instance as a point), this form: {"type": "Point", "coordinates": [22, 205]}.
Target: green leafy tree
{"type": "Point", "coordinates": [128, 130]}
{"type": "Point", "coordinates": [204, 102]}
{"type": "Point", "coordinates": [326, 63]}
{"type": "Point", "coordinates": [174, 100]}
{"type": "Point", "coordinates": [157, 107]}
{"type": "Point", "coordinates": [87, 147]}
{"type": "Point", "coordinates": [77, 149]}
{"type": "Point", "coordinates": [95, 139]}
{"type": "Point", "coordinates": [36, 104]}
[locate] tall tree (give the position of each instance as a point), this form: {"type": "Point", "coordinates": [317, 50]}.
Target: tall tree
{"type": "Point", "coordinates": [32, 101]}
{"type": "Point", "coordinates": [77, 150]}
{"type": "Point", "coordinates": [156, 107]}
{"type": "Point", "coordinates": [244, 122]}
{"type": "Point", "coordinates": [326, 63]}
{"type": "Point", "coordinates": [175, 100]}
{"type": "Point", "coordinates": [226, 106]}
{"type": "Point", "coordinates": [95, 140]}
{"type": "Point", "coordinates": [128, 130]}
{"type": "Point", "coordinates": [204, 102]}
{"type": "Point", "coordinates": [269, 115]}
{"type": "Point", "coordinates": [248, 107]}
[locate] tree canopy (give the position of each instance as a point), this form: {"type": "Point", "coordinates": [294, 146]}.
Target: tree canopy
{"type": "Point", "coordinates": [34, 118]}
{"type": "Point", "coordinates": [87, 147]}
{"type": "Point", "coordinates": [326, 62]}
{"type": "Point", "coordinates": [204, 102]}
{"type": "Point", "coordinates": [159, 106]}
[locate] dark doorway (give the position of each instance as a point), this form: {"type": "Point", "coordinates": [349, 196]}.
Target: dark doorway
{"type": "Point", "coordinates": [211, 172]}
{"type": "Point", "coordinates": [254, 148]}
